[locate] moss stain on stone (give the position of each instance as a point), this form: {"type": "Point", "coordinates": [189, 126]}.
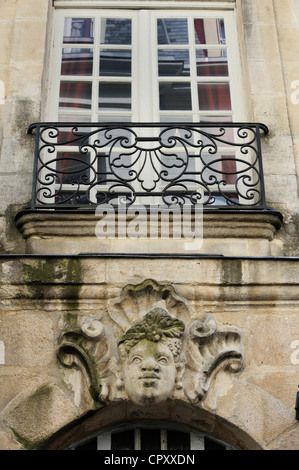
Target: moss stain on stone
{"type": "Point", "coordinates": [64, 275]}
{"type": "Point", "coordinates": [34, 407]}
{"type": "Point", "coordinates": [232, 271]}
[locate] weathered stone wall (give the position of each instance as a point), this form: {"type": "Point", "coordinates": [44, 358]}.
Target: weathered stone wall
{"type": "Point", "coordinates": [271, 31]}
{"type": "Point", "coordinates": [23, 25]}
{"type": "Point", "coordinates": [257, 296]}
{"type": "Point", "coordinates": [269, 46]}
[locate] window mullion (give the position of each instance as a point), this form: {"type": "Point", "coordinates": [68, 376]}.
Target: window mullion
{"type": "Point", "coordinates": [193, 76]}
{"type": "Point", "coordinates": [137, 439]}
{"type": "Point", "coordinates": [145, 61]}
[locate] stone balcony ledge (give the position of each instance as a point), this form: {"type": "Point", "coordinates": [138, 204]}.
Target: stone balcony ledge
{"type": "Point", "coordinates": [224, 233]}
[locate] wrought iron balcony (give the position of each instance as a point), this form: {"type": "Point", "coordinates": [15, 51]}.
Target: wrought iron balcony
{"type": "Point", "coordinates": [82, 165]}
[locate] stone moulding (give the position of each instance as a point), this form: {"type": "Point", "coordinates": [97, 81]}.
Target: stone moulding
{"type": "Point", "coordinates": [149, 347]}
{"type": "Point", "coordinates": [75, 232]}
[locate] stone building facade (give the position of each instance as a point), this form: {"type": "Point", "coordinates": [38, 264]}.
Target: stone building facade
{"type": "Point", "coordinates": [215, 326]}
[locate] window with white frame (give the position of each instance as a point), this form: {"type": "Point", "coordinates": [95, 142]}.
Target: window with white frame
{"type": "Point", "coordinates": [140, 66]}
{"type": "Point", "coordinates": [145, 66]}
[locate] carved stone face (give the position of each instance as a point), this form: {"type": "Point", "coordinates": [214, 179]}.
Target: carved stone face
{"type": "Point", "coordinates": [149, 372]}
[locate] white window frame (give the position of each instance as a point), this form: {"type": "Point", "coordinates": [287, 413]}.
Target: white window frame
{"type": "Point", "coordinates": [145, 108]}
{"type": "Point", "coordinates": [142, 103]}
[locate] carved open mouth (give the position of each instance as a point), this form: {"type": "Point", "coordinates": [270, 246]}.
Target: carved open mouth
{"type": "Point", "coordinates": [149, 377]}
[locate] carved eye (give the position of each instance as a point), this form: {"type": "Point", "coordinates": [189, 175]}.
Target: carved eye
{"type": "Point", "coordinates": [136, 360]}
{"type": "Point", "coordinates": [163, 360]}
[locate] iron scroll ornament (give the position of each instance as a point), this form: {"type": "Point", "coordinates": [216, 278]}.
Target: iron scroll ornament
{"type": "Point", "coordinates": [87, 164]}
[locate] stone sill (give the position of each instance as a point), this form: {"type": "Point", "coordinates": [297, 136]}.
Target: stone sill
{"type": "Point", "coordinates": [226, 233]}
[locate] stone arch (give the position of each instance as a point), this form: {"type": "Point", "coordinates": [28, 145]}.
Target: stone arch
{"type": "Point", "coordinates": [175, 412]}
{"type": "Point", "coordinates": [48, 418]}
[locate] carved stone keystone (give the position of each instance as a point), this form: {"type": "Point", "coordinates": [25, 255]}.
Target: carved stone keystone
{"type": "Point", "coordinates": [149, 348]}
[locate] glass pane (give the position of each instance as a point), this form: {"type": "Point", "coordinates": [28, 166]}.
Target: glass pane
{"type": "Point", "coordinates": [214, 96]}
{"type": "Point", "coordinates": [76, 61]}
{"type": "Point", "coordinates": [68, 134]}
{"type": "Point", "coordinates": [115, 63]}
{"type": "Point", "coordinates": [116, 31]}
{"type": "Point", "coordinates": [172, 31]}
{"type": "Point", "coordinates": [211, 63]}
{"type": "Point", "coordinates": [209, 31]}
{"type": "Point", "coordinates": [78, 30]}
{"type": "Point", "coordinates": [72, 167]}
{"type": "Point", "coordinates": [109, 118]}
{"type": "Point", "coordinates": [173, 62]}
{"type": "Point", "coordinates": [122, 440]}
{"type": "Point", "coordinates": [175, 96]}
{"type": "Point", "coordinates": [75, 95]}
{"type": "Point", "coordinates": [116, 96]}
{"type": "Point", "coordinates": [150, 439]}
{"type": "Point", "coordinates": [173, 118]}
{"type": "Point", "coordinates": [215, 118]}
{"type": "Point", "coordinates": [178, 440]}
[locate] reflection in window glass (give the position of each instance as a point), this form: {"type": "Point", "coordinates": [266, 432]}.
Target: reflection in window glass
{"type": "Point", "coordinates": [114, 118]}
{"type": "Point", "coordinates": [175, 96]}
{"type": "Point", "coordinates": [172, 31]}
{"type": "Point", "coordinates": [214, 96]}
{"type": "Point", "coordinates": [209, 31]}
{"type": "Point", "coordinates": [211, 118]}
{"type": "Point", "coordinates": [78, 30]}
{"type": "Point", "coordinates": [173, 62]}
{"type": "Point", "coordinates": [115, 63]}
{"type": "Point", "coordinates": [211, 63]}
{"type": "Point", "coordinates": [75, 95]}
{"type": "Point", "coordinates": [71, 167]}
{"type": "Point", "coordinates": [116, 31]}
{"type": "Point", "coordinates": [116, 96]}
{"type": "Point", "coordinates": [76, 61]}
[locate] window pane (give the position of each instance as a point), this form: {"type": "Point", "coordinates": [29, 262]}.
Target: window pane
{"type": "Point", "coordinates": [172, 31]}
{"type": "Point", "coordinates": [209, 31]}
{"type": "Point", "coordinates": [173, 62]}
{"type": "Point", "coordinates": [122, 440]}
{"type": "Point", "coordinates": [78, 30]}
{"type": "Point", "coordinates": [116, 118]}
{"type": "Point", "coordinates": [116, 31]}
{"type": "Point", "coordinates": [175, 96]}
{"type": "Point", "coordinates": [72, 167]}
{"type": "Point", "coordinates": [214, 96]}
{"type": "Point", "coordinates": [76, 61]}
{"type": "Point", "coordinates": [115, 63]}
{"type": "Point", "coordinates": [178, 440]}
{"type": "Point", "coordinates": [116, 96]}
{"type": "Point", "coordinates": [150, 439]}
{"type": "Point", "coordinates": [211, 63]}
{"type": "Point", "coordinates": [75, 95]}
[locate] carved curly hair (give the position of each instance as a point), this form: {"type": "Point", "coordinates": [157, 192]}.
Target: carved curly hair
{"type": "Point", "coordinates": [156, 325]}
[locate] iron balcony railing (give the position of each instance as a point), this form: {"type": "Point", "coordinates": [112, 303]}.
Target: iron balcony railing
{"type": "Point", "coordinates": [82, 165]}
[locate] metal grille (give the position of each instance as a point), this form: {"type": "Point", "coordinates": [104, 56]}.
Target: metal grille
{"type": "Point", "coordinates": [83, 165]}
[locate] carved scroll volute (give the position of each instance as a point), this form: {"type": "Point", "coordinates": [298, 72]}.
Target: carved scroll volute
{"type": "Point", "coordinates": [210, 350]}
{"type": "Point", "coordinates": [85, 347]}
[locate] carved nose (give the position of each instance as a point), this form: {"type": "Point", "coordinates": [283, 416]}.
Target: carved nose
{"type": "Point", "coordinates": [150, 365]}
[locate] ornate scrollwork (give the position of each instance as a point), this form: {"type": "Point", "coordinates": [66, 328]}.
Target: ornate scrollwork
{"type": "Point", "coordinates": [215, 164]}
{"type": "Point", "coordinates": [149, 349]}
